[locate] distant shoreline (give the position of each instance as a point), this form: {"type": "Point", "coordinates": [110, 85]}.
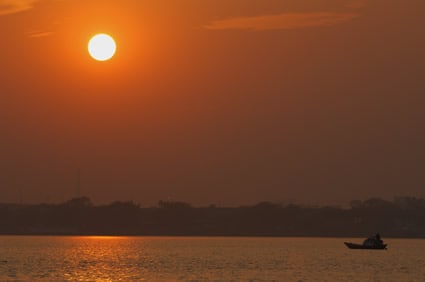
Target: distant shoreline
{"type": "Point", "coordinates": [78, 217]}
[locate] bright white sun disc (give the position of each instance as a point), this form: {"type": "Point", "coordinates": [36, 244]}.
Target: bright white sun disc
{"type": "Point", "coordinates": [102, 47]}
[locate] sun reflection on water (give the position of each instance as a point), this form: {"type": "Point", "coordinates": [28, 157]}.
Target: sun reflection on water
{"type": "Point", "coordinates": [106, 258]}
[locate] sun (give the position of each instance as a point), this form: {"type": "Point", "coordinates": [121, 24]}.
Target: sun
{"type": "Point", "coordinates": [102, 47]}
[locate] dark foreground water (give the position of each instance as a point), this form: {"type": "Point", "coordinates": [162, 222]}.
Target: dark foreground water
{"type": "Point", "coordinates": [205, 259]}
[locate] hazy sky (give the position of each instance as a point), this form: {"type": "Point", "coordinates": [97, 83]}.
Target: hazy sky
{"type": "Point", "coordinates": [216, 101]}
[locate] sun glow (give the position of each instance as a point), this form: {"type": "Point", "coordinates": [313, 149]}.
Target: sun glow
{"type": "Point", "coordinates": [102, 47]}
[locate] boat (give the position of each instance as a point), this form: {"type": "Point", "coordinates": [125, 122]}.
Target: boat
{"type": "Point", "coordinates": [371, 243]}
{"type": "Point", "coordinates": [363, 247]}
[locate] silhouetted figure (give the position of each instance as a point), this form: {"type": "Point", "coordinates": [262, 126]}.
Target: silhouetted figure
{"type": "Point", "coordinates": [378, 239]}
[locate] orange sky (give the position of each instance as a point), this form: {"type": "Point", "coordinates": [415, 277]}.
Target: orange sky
{"type": "Point", "coordinates": [227, 101]}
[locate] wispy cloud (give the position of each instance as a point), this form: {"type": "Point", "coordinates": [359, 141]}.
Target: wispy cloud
{"type": "Point", "coordinates": [292, 20]}
{"type": "Point", "coordinates": [283, 21]}
{"type": "Point", "coordinates": [15, 6]}
{"type": "Point", "coordinates": [38, 33]}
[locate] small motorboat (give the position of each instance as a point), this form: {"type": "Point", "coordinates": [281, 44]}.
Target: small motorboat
{"type": "Point", "coordinates": [365, 247]}
{"type": "Point", "coordinates": [371, 243]}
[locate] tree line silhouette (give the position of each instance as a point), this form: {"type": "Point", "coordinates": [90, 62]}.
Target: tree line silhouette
{"type": "Point", "coordinates": [402, 217]}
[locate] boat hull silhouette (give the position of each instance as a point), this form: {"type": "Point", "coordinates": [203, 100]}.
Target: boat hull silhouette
{"type": "Point", "coordinates": [365, 247]}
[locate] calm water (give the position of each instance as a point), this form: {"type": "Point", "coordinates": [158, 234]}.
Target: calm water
{"type": "Point", "coordinates": [205, 259]}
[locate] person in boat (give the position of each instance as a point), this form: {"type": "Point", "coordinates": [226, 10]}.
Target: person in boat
{"type": "Point", "coordinates": [378, 239]}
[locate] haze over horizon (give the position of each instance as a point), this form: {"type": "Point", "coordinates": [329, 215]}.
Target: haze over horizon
{"type": "Point", "coordinates": [213, 102]}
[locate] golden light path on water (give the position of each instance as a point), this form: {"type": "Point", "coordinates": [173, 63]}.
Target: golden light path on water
{"type": "Point", "coordinates": [100, 258]}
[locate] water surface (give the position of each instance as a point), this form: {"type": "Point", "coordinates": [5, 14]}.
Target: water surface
{"type": "Point", "coordinates": [206, 259]}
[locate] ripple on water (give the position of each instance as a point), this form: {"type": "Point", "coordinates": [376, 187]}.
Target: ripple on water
{"type": "Point", "coordinates": [205, 259]}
